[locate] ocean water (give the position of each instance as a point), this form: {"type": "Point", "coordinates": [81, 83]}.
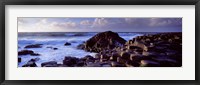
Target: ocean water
{"type": "Point", "coordinates": [57, 40]}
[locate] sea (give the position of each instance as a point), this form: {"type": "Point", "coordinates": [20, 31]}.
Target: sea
{"type": "Point", "coordinates": [57, 40]}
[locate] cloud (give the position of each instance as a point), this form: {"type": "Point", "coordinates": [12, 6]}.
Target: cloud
{"type": "Point", "coordinates": [119, 24]}
{"type": "Point", "coordinates": [156, 22]}
{"type": "Point", "coordinates": [130, 20]}
{"type": "Point", "coordinates": [100, 22]}
{"type": "Point", "coordinates": [44, 21]}
{"type": "Point", "coordinates": [153, 22]}
{"type": "Point", "coordinates": [66, 25]}
{"type": "Point", "coordinates": [86, 22]}
{"type": "Point", "coordinates": [43, 24]}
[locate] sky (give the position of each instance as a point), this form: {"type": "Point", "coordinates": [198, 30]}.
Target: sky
{"type": "Point", "coordinates": [98, 24]}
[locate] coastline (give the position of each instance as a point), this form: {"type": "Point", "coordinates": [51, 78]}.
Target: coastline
{"type": "Point", "coordinates": [152, 50]}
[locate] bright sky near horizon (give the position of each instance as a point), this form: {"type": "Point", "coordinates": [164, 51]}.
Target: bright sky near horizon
{"type": "Point", "coordinates": [75, 24]}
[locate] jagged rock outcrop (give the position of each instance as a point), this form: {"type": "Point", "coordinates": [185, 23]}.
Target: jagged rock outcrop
{"type": "Point", "coordinates": [34, 46]}
{"type": "Point", "coordinates": [28, 52]}
{"type": "Point", "coordinates": [103, 41]}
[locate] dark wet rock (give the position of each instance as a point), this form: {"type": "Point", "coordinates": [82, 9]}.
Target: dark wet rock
{"type": "Point", "coordinates": [125, 55]}
{"type": "Point", "coordinates": [35, 59]}
{"type": "Point", "coordinates": [106, 65]}
{"type": "Point", "coordinates": [80, 64]}
{"type": "Point", "coordinates": [81, 46]}
{"type": "Point", "coordinates": [149, 63]}
{"type": "Point", "coordinates": [103, 41]}
{"type": "Point", "coordinates": [55, 48]}
{"type": "Point", "coordinates": [103, 60]}
{"type": "Point", "coordinates": [19, 59]}
{"type": "Point", "coordinates": [116, 64]}
{"type": "Point", "coordinates": [28, 52]}
{"type": "Point", "coordinates": [141, 45]}
{"type": "Point", "coordinates": [121, 60]}
{"type": "Point", "coordinates": [49, 64]}
{"type": "Point", "coordinates": [67, 44]}
{"type": "Point", "coordinates": [177, 57]}
{"type": "Point", "coordinates": [49, 47]}
{"type": "Point", "coordinates": [135, 57]}
{"type": "Point", "coordinates": [167, 62]}
{"type": "Point", "coordinates": [70, 61]}
{"type": "Point", "coordinates": [34, 46]}
{"type": "Point", "coordinates": [94, 65]}
{"type": "Point", "coordinates": [52, 48]}
{"type": "Point", "coordinates": [87, 58]}
{"type": "Point", "coordinates": [30, 63]}
{"type": "Point", "coordinates": [97, 56]}
{"type": "Point", "coordinates": [132, 47]}
{"type": "Point", "coordinates": [130, 63]}
{"type": "Point", "coordinates": [25, 52]}
{"type": "Point", "coordinates": [114, 56]}
{"type": "Point", "coordinates": [104, 56]}
{"type": "Point", "coordinates": [61, 65]}
{"type": "Point", "coordinates": [144, 53]}
{"type": "Point", "coordinates": [90, 59]}
{"type": "Point", "coordinates": [35, 54]}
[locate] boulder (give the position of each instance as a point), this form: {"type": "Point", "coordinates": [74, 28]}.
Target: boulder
{"type": "Point", "coordinates": [49, 64]}
{"type": "Point", "coordinates": [132, 63]}
{"type": "Point", "coordinates": [67, 44]}
{"type": "Point", "coordinates": [89, 58]}
{"type": "Point", "coordinates": [104, 57]}
{"type": "Point", "coordinates": [55, 48]}
{"type": "Point", "coordinates": [30, 63]}
{"type": "Point", "coordinates": [103, 60]}
{"type": "Point", "coordinates": [120, 60]}
{"type": "Point", "coordinates": [35, 54]}
{"type": "Point", "coordinates": [97, 56]}
{"type": "Point", "coordinates": [132, 47]}
{"type": "Point", "coordinates": [19, 59]}
{"type": "Point", "coordinates": [35, 59]}
{"type": "Point", "coordinates": [70, 61]}
{"type": "Point", "coordinates": [25, 52]}
{"type": "Point", "coordinates": [116, 64]}
{"type": "Point", "coordinates": [34, 46]}
{"type": "Point", "coordinates": [135, 57]}
{"type": "Point", "coordinates": [125, 55]}
{"type": "Point", "coordinates": [114, 56]}
{"type": "Point", "coordinates": [28, 52]}
{"type": "Point", "coordinates": [52, 48]}
{"type": "Point", "coordinates": [80, 64]}
{"type": "Point", "coordinates": [141, 45]}
{"type": "Point", "coordinates": [103, 41]}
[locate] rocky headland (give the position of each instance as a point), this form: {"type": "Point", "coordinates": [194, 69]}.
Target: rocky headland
{"type": "Point", "coordinates": [150, 50]}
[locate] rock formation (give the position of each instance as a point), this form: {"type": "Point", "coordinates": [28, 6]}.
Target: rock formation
{"type": "Point", "coordinates": [103, 41]}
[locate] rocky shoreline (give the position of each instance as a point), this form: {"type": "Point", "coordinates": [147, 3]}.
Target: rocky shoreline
{"type": "Point", "coordinates": [151, 50]}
